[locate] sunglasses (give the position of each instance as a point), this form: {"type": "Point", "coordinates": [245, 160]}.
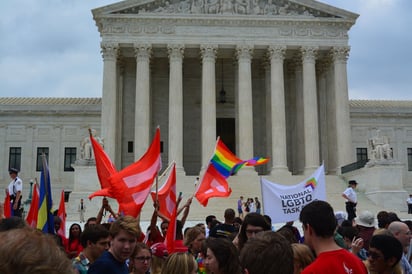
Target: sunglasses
{"type": "Point", "coordinates": [142, 259]}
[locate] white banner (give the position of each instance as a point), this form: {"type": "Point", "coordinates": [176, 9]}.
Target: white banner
{"type": "Point", "coordinates": [284, 203]}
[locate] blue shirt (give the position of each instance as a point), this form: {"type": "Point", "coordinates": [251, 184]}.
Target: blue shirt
{"type": "Point", "coordinates": [107, 264]}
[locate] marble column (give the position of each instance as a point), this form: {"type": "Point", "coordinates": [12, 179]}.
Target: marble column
{"type": "Point", "coordinates": [299, 139]}
{"type": "Point", "coordinates": [331, 120]}
{"type": "Point", "coordinates": [321, 71]}
{"type": "Point", "coordinates": [277, 102]}
{"type": "Point", "coordinates": [175, 142]}
{"type": "Point", "coordinates": [108, 127]}
{"type": "Point", "coordinates": [142, 105]}
{"type": "Point", "coordinates": [268, 113]}
{"type": "Point", "coordinates": [343, 131]}
{"type": "Point", "coordinates": [244, 103]}
{"type": "Point", "coordinates": [119, 123]}
{"type": "Point", "coordinates": [208, 55]}
{"type": "Point", "coordinates": [310, 109]}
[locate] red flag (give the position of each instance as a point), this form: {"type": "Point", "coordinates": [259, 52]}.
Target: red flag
{"type": "Point", "coordinates": [213, 184]}
{"type": "Point", "coordinates": [104, 166]}
{"type": "Point", "coordinates": [61, 213]}
{"type": "Point", "coordinates": [171, 230]}
{"type": "Point", "coordinates": [166, 195]}
{"type": "Point", "coordinates": [131, 186]}
{"type": "Point", "coordinates": [7, 206]}
{"type": "Point", "coordinates": [31, 218]}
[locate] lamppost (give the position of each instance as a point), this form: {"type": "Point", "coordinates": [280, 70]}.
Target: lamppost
{"type": "Point", "coordinates": [28, 200]}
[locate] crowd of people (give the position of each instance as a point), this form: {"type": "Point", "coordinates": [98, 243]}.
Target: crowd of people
{"type": "Point", "coordinates": [328, 242]}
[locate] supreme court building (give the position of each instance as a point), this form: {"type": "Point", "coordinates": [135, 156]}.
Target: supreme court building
{"type": "Point", "coordinates": [268, 77]}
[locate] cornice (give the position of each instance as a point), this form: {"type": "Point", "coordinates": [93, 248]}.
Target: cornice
{"type": "Point", "coordinates": [126, 30]}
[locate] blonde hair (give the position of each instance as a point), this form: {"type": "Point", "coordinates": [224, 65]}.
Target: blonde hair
{"type": "Point", "coordinates": [181, 263]}
{"type": "Point", "coordinates": [29, 251]}
{"type": "Point", "coordinates": [302, 255]}
{"type": "Point", "coordinates": [191, 235]}
{"type": "Point", "coordinates": [127, 223]}
{"type": "Point", "coordinates": [157, 265]}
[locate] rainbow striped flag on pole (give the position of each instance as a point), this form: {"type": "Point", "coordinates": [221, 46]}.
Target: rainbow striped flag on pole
{"type": "Point", "coordinates": [227, 164]}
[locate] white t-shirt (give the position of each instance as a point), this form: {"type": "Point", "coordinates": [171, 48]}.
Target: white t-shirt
{"type": "Point", "coordinates": [351, 194]}
{"type": "Point", "coordinates": [15, 186]}
{"type": "Point", "coordinates": [409, 200]}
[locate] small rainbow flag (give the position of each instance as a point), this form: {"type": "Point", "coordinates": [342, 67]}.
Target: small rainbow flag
{"type": "Point", "coordinates": [257, 161]}
{"type": "Point", "coordinates": [311, 183]}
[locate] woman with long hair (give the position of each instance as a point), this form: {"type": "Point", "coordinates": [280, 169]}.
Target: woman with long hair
{"type": "Point", "coordinates": [73, 246]}
{"type": "Point", "coordinates": [222, 257]}
{"type": "Point", "coordinates": [194, 238]}
{"type": "Point", "coordinates": [141, 259]}
{"type": "Point", "coordinates": [159, 257]}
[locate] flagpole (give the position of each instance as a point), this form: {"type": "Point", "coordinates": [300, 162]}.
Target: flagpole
{"type": "Point", "coordinates": [157, 187]}
{"type": "Point", "coordinates": [166, 170]}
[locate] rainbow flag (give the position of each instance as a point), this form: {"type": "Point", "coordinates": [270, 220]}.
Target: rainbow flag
{"type": "Point", "coordinates": [257, 161]}
{"type": "Point", "coordinates": [227, 164]}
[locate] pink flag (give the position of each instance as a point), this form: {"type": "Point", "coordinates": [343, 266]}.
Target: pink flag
{"type": "Point", "coordinates": [213, 184]}
{"type": "Point", "coordinates": [166, 195]}
{"type": "Point", "coordinates": [131, 186]}
{"type": "Point", "coordinates": [61, 213]}
{"type": "Point", "coordinates": [31, 218]}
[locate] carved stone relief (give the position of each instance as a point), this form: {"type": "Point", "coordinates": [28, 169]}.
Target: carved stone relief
{"type": "Point", "coordinates": [227, 7]}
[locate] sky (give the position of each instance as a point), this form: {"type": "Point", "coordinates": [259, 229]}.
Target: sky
{"type": "Point", "coordinates": [51, 48]}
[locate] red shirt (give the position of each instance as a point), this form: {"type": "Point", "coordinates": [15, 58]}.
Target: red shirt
{"type": "Point", "coordinates": [337, 262]}
{"type": "Point", "coordinates": [73, 246]}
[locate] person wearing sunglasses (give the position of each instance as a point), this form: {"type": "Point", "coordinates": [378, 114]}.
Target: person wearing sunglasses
{"type": "Point", "coordinates": [384, 255]}
{"type": "Point", "coordinates": [140, 260]}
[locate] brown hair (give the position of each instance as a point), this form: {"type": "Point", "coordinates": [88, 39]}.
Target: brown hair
{"type": "Point", "coordinates": [302, 255]}
{"type": "Point", "coordinates": [29, 251]}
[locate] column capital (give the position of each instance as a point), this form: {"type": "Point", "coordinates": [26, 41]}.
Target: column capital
{"type": "Point", "coordinates": [244, 52]}
{"type": "Point", "coordinates": [276, 52]}
{"type": "Point", "coordinates": [322, 66]}
{"type": "Point", "coordinates": [208, 52]}
{"type": "Point", "coordinates": [143, 51]}
{"type": "Point", "coordinates": [110, 51]}
{"type": "Point", "coordinates": [296, 61]}
{"type": "Point", "coordinates": [175, 51]}
{"type": "Point", "coordinates": [340, 54]}
{"type": "Point", "coordinates": [309, 53]}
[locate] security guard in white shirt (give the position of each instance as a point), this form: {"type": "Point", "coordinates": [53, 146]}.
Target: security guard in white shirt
{"type": "Point", "coordinates": [15, 189]}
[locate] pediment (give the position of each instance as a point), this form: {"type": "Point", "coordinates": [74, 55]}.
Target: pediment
{"type": "Point", "coordinates": [267, 8]}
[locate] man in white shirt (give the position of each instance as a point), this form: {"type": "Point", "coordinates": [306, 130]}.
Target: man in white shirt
{"type": "Point", "coordinates": [15, 189]}
{"type": "Point", "coordinates": [351, 199]}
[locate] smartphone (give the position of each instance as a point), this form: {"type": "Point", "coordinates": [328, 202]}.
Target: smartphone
{"type": "Point", "coordinates": [180, 194]}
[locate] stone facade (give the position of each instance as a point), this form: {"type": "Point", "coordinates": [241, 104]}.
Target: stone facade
{"type": "Point", "coordinates": [58, 123]}
{"type": "Point", "coordinates": [267, 76]}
